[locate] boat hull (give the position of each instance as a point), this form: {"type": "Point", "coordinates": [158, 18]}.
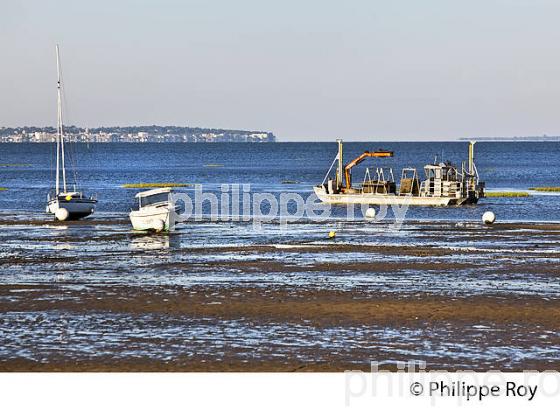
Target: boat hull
{"type": "Point", "coordinates": [388, 199]}
{"type": "Point", "coordinates": [157, 219]}
{"type": "Point", "coordinates": [77, 207]}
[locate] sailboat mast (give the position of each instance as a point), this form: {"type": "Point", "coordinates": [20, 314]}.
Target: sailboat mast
{"type": "Point", "coordinates": [60, 135]}
{"type": "Point", "coordinates": [57, 123]}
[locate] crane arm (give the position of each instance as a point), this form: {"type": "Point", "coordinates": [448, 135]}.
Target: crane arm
{"type": "Point", "coordinates": [356, 161]}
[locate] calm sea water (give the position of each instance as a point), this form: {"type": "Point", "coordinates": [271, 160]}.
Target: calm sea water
{"type": "Point", "coordinates": [103, 168]}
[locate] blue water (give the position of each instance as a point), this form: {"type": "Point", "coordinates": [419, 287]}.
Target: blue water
{"type": "Point", "coordinates": [103, 168]}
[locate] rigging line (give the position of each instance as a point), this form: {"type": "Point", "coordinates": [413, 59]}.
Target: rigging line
{"type": "Point", "coordinates": [51, 156]}
{"type": "Point", "coordinates": [72, 151]}
{"type": "Point", "coordinates": [60, 130]}
{"type": "Point", "coordinates": [51, 147]}
{"type": "Point", "coordinates": [330, 169]}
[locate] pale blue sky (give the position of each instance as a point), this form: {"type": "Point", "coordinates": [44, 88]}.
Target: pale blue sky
{"type": "Point", "coordinates": [306, 70]}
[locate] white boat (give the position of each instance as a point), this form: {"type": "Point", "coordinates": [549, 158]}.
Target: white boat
{"type": "Point", "coordinates": [156, 211]}
{"type": "Point", "coordinates": [61, 202]}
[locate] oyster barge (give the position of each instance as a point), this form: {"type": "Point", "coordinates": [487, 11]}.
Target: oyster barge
{"type": "Point", "coordinates": [444, 184]}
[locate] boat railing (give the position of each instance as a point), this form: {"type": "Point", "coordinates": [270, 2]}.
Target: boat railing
{"type": "Point", "coordinates": [409, 184]}
{"type": "Point", "coordinates": [383, 182]}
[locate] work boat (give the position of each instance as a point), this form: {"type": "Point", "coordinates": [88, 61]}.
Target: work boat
{"type": "Point", "coordinates": [65, 204]}
{"type": "Point", "coordinates": [156, 211]}
{"type": "Point", "coordinates": [444, 183]}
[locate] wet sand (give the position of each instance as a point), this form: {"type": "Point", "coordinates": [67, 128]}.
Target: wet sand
{"type": "Point", "coordinates": [94, 296]}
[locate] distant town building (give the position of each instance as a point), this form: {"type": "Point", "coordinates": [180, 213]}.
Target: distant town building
{"type": "Point", "coordinates": [138, 134]}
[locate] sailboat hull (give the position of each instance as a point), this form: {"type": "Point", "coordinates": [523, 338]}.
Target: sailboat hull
{"type": "Point", "coordinates": [77, 207]}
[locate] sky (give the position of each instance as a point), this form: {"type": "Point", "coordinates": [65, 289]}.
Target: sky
{"type": "Point", "coordinates": [307, 70]}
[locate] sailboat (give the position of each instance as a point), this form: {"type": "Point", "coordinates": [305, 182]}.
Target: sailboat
{"type": "Point", "coordinates": [65, 204]}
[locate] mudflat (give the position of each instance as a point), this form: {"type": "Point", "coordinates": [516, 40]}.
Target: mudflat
{"type": "Point", "coordinates": [94, 296]}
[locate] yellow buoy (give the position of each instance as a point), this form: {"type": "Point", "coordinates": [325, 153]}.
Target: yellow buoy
{"type": "Point", "coordinates": [332, 234]}
{"type": "Point", "coordinates": [68, 197]}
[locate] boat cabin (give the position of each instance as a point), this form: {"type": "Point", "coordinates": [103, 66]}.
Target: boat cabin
{"type": "Point", "coordinates": [442, 180]}
{"type": "Point", "coordinates": [68, 196]}
{"type": "Point", "coordinates": [153, 197]}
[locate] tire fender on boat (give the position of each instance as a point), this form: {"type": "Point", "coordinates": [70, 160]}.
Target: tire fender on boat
{"type": "Point", "coordinates": [62, 214]}
{"type": "Point", "coordinates": [158, 224]}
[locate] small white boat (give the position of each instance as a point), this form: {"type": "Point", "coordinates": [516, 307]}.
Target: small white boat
{"type": "Point", "coordinates": [64, 204]}
{"type": "Point", "coordinates": [155, 212]}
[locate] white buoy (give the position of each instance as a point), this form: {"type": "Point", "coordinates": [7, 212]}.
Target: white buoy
{"type": "Point", "coordinates": [488, 218]}
{"type": "Point", "coordinates": [62, 214]}
{"type": "Point", "coordinates": [370, 213]}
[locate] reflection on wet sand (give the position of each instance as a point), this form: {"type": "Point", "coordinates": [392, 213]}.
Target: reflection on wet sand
{"type": "Point", "coordinates": [141, 242]}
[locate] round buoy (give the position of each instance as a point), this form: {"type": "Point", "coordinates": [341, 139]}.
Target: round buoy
{"type": "Point", "coordinates": [332, 234]}
{"type": "Point", "coordinates": [488, 218]}
{"type": "Point", "coordinates": [370, 213]}
{"type": "Point", "coordinates": [68, 197]}
{"type": "Point", "coordinates": [62, 214]}
{"type": "Point", "coordinates": [158, 225]}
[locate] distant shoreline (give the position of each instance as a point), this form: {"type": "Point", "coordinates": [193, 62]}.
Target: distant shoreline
{"type": "Point", "coordinates": [137, 134]}
{"type": "Point", "coordinates": [514, 139]}
{"type": "Point", "coordinates": [275, 141]}
{"type": "Point", "coordinates": [146, 142]}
